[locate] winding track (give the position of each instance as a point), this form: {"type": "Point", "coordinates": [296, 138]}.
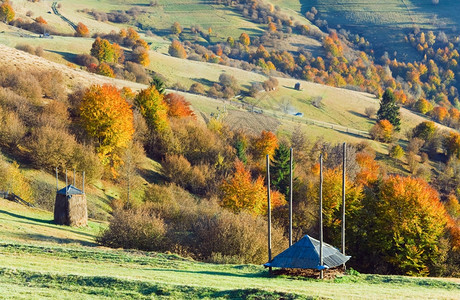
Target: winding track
{"type": "Point", "coordinates": [57, 13]}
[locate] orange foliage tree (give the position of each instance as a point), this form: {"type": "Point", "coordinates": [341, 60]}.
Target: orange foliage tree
{"type": "Point", "coordinates": [82, 30]}
{"type": "Point", "coordinates": [265, 144]}
{"type": "Point", "coordinates": [439, 113]}
{"type": "Point", "coordinates": [178, 106]}
{"type": "Point", "coordinates": [245, 39]}
{"type": "Point", "coordinates": [40, 20]}
{"type": "Point", "coordinates": [382, 131]}
{"type": "Point", "coordinates": [177, 50]}
{"type": "Point", "coordinates": [107, 118]}
{"type": "Point", "coordinates": [369, 168]}
{"type": "Point", "coordinates": [241, 193]}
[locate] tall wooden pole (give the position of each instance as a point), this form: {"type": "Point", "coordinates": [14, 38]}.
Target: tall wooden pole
{"type": "Point", "coordinates": [57, 180]}
{"type": "Point", "coordinates": [83, 179]}
{"type": "Point", "coordinates": [74, 175]}
{"type": "Point", "coordinates": [321, 272]}
{"type": "Point", "coordinates": [290, 200]}
{"type": "Point", "coordinates": [343, 197]}
{"type": "Point", "coordinates": [66, 182]}
{"type": "Point", "coordinates": [269, 214]}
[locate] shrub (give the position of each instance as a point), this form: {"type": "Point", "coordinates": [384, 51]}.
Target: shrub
{"type": "Point", "coordinates": [12, 180]}
{"type": "Point", "coordinates": [51, 148]}
{"type": "Point", "coordinates": [135, 228]}
{"type": "Point", "coordinates": [370, 111]}
{"type": "Point", "coordinates": [396, 152]}
{"type": "Point", "coordinates": [197, 88]}
{"type": "Point", "coordinates": [176, 49]}
{"type": "Point", "coordinates": [12, 130]}
{"type": "Point", "coordinates": [85, 60]}
{"type": "Point", "coordinates": [138, 71]}
{"type": "Point", "coordinates": [82, 30]}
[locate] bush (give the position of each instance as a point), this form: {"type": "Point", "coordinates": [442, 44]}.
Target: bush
{"type": "Point", "coordinates": [136, 228]}
{"type": "Point", "coordinates": [85, 60]}
{"type": "Point", "coordinates": [173, 220]}
{"type": "Point", "coordinates": [197, 88]}
{"type": "Point", "coordinates": [51, 148]}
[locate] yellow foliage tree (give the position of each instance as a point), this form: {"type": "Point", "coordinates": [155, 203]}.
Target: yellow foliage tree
{"type": "Point", "coordinates": [107, 118]}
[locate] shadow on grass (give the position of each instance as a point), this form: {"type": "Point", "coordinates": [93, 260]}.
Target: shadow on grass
{"type": "Point", "coordinates": [217, 273]}
{"type": "Point", "coordinates": [42, 222]}
{"type": "Point", "coordinates": [47, 238]}
{"type": "Point", "coordinates": [70, 57]}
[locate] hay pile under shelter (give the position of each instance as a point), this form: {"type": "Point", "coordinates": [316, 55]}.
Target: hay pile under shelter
{"type": "Point", "coordinates": [70, 207]}
{"type": "Point", "coordinates": [305, 255]}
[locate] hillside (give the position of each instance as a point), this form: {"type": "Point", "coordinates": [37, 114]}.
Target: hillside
{"type": "Point", "coordinates": [45, 260]}
{"type": "Point", "coordinates": [393, 19]}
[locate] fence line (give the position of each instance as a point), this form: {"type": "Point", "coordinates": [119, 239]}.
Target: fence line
{"type": "Point", "coordinates": [15, 198]}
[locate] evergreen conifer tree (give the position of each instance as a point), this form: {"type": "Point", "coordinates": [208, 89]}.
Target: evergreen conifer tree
{"type": "Point", "coordinates": [389, 110]}
{"type": "Point", "coordinates": [280, 169]}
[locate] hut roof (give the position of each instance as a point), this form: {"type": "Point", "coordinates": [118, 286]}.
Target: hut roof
{"type": "Point", "coordinates": [70, 190]}
{"type": "Point", "coordinates": [305, 255]}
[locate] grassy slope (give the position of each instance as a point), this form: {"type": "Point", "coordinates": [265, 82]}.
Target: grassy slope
{"type": "Point", "coordinates": [39, 259]}
{"type": "Point", "coordinates": [392, 18]}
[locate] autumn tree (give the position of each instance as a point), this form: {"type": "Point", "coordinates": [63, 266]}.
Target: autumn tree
{"type": "Point", "coordinates": [265, 144]}
{"type": "Point", "coordinates": [176, 28]}
{"type": "Point", "coordinates": [103, 50]}
{"type": "Point", "coordinates": [176, 49]}
{"type": "Point", "coordinates": [40, 20]}
{"type": "Point", "coordinates": [245, 39]}
{"type": "Point", "coordinates": [178, 106]}
{"type": "Point", "coordinates": [241, 193]}
{"type": "Point", "coordinates": [108, 119]}
{"type": "Point", "coordinates": [389, 110]}
{"type": "Point", "coordinates": [425, 130]}
{"type": "Point", "coordinates": [452, 144]}
{"type": "Point", "coordinates": [152, 106]}
{"type": "Point", "coordinates": [382, 131]}
{"type": "Point", "coordinates": [82, 30]}
{"type": "Point", "coordinates": [404, 220]}
{"type": "Point", "coordinates": [12, 180]}
{"type": "Point", "coordinates": [6, 12]}
{"type": "Point", "coordinates": [105, 70]}
{"type": "Point", "coordinates": [141, 56]}
{"type": "Point", "coordinates": [423, 106]}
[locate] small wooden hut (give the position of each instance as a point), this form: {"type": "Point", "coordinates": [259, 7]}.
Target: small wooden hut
{"type": "Point", "coordinates": [70, 207]}
{"type": "Point", "coordinates": [297, 86]}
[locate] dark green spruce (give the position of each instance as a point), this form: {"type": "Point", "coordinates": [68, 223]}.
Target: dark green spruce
{"type": "Point", "coordinates": [279, 169]}
{"type": "Point", "coordinates": [389, 110]}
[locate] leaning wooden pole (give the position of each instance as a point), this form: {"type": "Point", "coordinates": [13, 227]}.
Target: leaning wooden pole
{"type": "Point", "coordinates": [290, 199]}
{"type": "Point", "coordinates": [321, 272]}
{"type": "Point", "coordinates": [269, 214]}
{"type": "Point", "coordinates": [344, 167]}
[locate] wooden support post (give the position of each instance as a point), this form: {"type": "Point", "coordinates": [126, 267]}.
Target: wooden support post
{"type": "Point", "coordinates": [321, 272]}
{"type": "Point", "coordinates": [74, 177]}
{"type": "Point", "coordinates": [269, 215]}
{"type": "Point", "coordinates": [66, 183]}
{"type": "Point", "coordinates": [343, 197]}
{"type": "Point", "coordinates": [57, 180]}
{"type": "Point", "coordinates": [83, 176]}
{"type": "Point", "coordinates": [290, 199]}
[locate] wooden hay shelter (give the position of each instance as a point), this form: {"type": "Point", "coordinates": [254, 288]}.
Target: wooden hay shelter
{"type": "Point", "coordinates": [70, 207]}
{"type": "Point", "coordinates": [305, 255]}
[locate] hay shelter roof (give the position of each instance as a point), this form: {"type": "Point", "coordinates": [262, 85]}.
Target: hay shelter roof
{"type": "Point", "coordinates": [305, 255]}
{"type": "Point", "coordinates": [70, 190]}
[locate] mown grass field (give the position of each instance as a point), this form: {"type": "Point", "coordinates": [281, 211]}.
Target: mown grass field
{"type": "Point", "coordinates": [384, 23]}
{"type": "Point", "coordinates": [41, 260]}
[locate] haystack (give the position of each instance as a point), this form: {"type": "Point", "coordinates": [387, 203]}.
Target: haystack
{"type": "Point", "coordinates": [70, 207]}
